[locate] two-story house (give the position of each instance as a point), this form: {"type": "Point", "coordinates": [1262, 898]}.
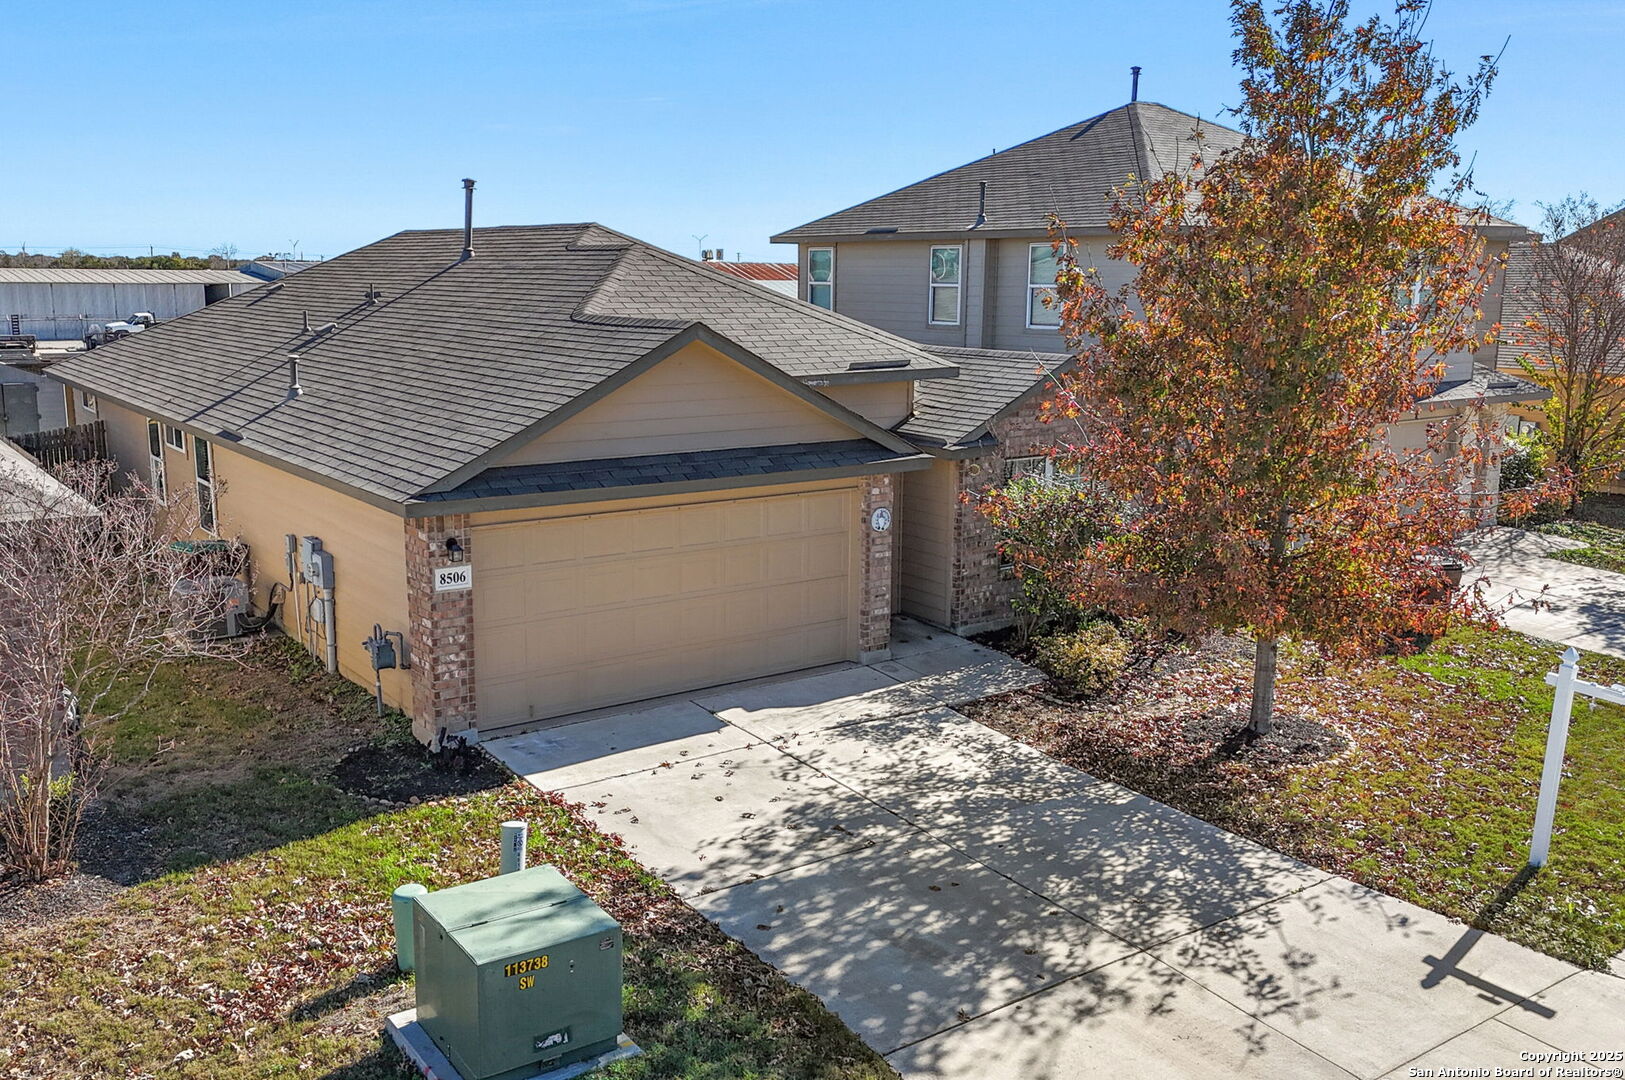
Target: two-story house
{"type": "Point", "coordinates": [961, 262]}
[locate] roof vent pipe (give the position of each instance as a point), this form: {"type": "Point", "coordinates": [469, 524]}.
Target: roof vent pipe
{"type": "Point", "coordinates": [1134, 91]}
{"type": "Point", "coordinates": [294, 389]}
{"type": "Point", "coordinates": [981, 205]}
{"type": "Point", "coordinates": [468, 219]}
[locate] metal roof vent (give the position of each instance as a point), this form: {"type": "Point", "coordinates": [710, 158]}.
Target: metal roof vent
{"type": "Point", "coordinates": [294, 389]}
{"type": "Point", "coordinates": [981, 205]}
{"type": "Point", "coordinates": [468, 219]}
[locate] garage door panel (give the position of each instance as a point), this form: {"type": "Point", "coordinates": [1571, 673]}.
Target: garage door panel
{"type": "Point", "coordinates": [828, 559]}
{"type": "Point", "coordinates": [743, 524]}
{"type": "Point", "coordinates": [505, 654]}
{"type": "Point", "coordinates": [602, 537]}
{"type": "Point", "coordinates": [700, 572]}
{"type": "Point", "coordinates": [744, 567]}
{"type": "Point", "coordinates": [578, 613]}
{"type": "Point", "coordinates": [786, 519]}
{"type": "Point", "coordinates": [827, 513]}
{"type": "Point", "coordinates": [700, 527]}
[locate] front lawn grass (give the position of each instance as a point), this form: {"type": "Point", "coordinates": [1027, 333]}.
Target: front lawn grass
{"type": "Point", "coordinates": [1433, 802]}
{"type": "Point", "coordinates": [1605, 544]}
{"type": "Point", "coordinates": [268, 952]}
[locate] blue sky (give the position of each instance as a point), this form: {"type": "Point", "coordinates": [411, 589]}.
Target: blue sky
{"type": "Point", "coordinates": [186, 126]}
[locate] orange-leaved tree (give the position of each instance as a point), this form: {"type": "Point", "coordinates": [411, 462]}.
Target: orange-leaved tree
{"type": "Point", "coordinates": [1295, 296]}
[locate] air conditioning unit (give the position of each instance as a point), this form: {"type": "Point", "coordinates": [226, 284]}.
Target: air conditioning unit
{"type": "Point", "coordinates": [229, 596]}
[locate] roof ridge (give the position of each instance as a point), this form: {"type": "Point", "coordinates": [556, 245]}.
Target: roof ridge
{"type": "Point", "coordinates": [801, 307]}
{"type": "Point", "coordinates": [1130, 109]}
{"type": "Point", "coordinates": [610, 279]}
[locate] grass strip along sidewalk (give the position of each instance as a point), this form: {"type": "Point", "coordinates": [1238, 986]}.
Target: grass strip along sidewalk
{"type": "Point", "coordinates": [279, 961]}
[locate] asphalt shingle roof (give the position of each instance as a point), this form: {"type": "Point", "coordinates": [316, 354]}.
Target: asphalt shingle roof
{"type": "Point", "coordinates": [699, 465]}
{"type": "Point", "coordinates": [1071, 172]}
{"type": "Point", "coordinates": [1529, 276]}
{"type": "Point", "coordinates": [455, 357]}
{"type": "Point", "coordinates": [1485, 387]}
{"type": "Point", "coordinates": [956, 412]}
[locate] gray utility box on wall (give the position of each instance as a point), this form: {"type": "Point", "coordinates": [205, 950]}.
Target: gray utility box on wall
{"type": "Point", "coordinates": [517, 973]}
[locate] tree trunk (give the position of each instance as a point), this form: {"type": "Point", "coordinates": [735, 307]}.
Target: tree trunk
{"type": "Point", "coordinates": [1260, 720]}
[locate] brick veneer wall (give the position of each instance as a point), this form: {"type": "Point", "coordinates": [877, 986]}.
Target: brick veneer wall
{"type": "Point", "coordinates": [878, 581]}
{"type": "Point", "coordinates": [981, 593]}
{"type": "Point", "coordinates": [441, 629]}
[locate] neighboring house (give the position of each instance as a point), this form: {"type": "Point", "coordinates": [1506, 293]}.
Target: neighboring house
{"type": "Point", "coordinates": [574, 469]}
{"type": "Point", "coordinates": [29, 491]}
{"type": "Point", "coordinates": [961, 262]}
{"type": "Point", "coordinates": [274, 269]}
{"type": "Point", "coordinates": [780, 277]}
{"type": "Point", "coordinates": [1529, 296]}
{"type": "Point", "coordinates": [56, 304]}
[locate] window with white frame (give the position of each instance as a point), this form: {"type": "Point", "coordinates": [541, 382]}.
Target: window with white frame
{"type": "Point", "coordinates": [87, 400]}
{"type": "Point", "coordinates": [203, 468]}
{"type": "Point", "coordinates": [1041, 270]}
{"type": "Point", "coordinates": [1040, 467]}
{"type": "Point", "coordinates": [943, 302]}
{"type": "Point", "coordinates": [155, 460]}
{"type": "Point", "coordinates": [174, 438]}
{"type": "Point", "coordinates": [821, 277]}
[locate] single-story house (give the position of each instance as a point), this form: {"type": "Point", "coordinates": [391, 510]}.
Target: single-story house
{"type": "Point", "coordinates": [575, 470]}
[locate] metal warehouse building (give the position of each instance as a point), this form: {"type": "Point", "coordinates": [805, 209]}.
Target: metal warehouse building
{"type": "Point", "coordinates": [57, 305]}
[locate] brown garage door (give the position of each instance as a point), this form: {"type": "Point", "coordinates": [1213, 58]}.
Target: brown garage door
{"type": "Point", "coordinates": [581, 612]}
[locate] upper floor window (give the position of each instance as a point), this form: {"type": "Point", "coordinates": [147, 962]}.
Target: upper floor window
{"type": "Point", "coordinates": [87, 400]}
{"type": "Point", "coordinates": [821, 277]}
{"type": "Point", "coordinates": [944, 299]}
{"type": "Point", "coordinates": [175, 438]}
{"type": "Point", "coordinates": [1041, 271]}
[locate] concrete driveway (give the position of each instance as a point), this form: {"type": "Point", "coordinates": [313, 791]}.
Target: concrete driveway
{"type": "Point", "coordinates": [974, 909]}
{"type": "Point", "coordinates": [1545, 597]}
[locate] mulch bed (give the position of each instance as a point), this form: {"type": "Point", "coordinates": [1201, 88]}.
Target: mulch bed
{"type": "Point", "coordinates": [1293, 740]}
{"type": "Point", "coordinates": [400, 772]}
{"type": "Point", "coordinates": [75, 894]}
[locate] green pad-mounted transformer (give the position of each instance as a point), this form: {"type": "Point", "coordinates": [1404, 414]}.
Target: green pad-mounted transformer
{"type": "Point", "coordinates": [517, 973]}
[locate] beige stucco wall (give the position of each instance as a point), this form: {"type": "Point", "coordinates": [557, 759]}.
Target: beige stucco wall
{"type": "Point", "coordinates": [696, 399]}
{"type": "Point", "coordinates": [259, 505]}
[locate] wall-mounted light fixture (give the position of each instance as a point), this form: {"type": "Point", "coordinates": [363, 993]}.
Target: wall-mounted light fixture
{"type": "Point", "coordinates": [454, 549]}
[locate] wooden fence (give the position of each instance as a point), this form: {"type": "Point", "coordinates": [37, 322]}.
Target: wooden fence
{"type": "Point", "coordinates": [83, 442]}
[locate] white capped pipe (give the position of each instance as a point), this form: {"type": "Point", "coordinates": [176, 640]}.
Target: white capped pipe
{"type": "Point", "coordinates": [515, 835]}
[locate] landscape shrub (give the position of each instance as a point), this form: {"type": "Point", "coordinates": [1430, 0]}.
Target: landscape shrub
{"type": "Point", "coordinates": [1085, 661]}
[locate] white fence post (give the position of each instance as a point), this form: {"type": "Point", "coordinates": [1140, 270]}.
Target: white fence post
{"type": "Point", "coordinates": [1551, 774]}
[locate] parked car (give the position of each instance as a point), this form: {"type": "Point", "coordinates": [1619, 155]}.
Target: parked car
{"type": "Point", "coordinates": [102, 333]}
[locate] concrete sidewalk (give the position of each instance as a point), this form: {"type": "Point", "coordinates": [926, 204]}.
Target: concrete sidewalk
{"type": "Point", "coordinates": [974, 909]}
{"type": "Point", "coordinates": [1545, 597]}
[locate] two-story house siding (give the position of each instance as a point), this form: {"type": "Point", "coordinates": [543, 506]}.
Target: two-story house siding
{"type": "Point", "coordinates": [876, 262]}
